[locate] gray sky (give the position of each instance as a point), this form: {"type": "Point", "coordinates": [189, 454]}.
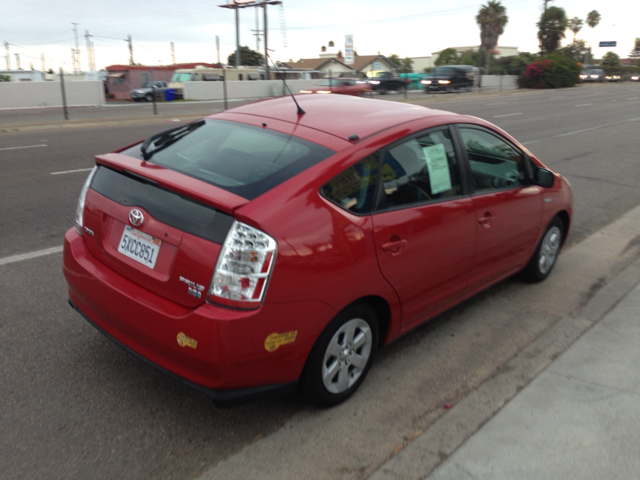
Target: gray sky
{"type": "Point", "coordinates": [411, 28]}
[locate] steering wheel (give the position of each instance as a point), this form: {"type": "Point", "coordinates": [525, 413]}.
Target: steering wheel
{"type": "Point", "coordinates": [509, 178]}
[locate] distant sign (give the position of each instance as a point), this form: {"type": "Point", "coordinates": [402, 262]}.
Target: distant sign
{"type": "Point", "coordinates": [349, 57]}
{"type": "Point", "coordinates": [608, 44]}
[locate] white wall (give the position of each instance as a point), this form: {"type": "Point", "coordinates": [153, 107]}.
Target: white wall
{"type": "Point", "coordinates": [48, 94]}
{"type": "Point", "coordinates": [244, 89]}
{"type": "Point", "coordinates": [509, 82]}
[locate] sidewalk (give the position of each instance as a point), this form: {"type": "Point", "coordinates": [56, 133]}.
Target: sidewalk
{"type": "Point", "coordinates": [578, 419]}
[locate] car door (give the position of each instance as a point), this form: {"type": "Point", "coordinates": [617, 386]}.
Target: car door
{"type": "Point", "coordinates": [424, 224]}
{"type": "Point", "coordinates": [508, 207]}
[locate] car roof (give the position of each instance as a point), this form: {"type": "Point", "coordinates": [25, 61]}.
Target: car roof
{"type": "Point", "coordinates": [340, 115]}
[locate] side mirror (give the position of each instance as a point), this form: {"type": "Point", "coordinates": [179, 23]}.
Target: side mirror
{"type": "Point", "coordinates": [544, 178]}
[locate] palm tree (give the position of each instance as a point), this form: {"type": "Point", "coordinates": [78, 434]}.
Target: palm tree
{"type": "Point", "coordinates": [593, 19]}
{"type": "Point", "coordinates": [551, 28]}
{"type": "Point", "coordinates": [575, 25]}
{"type": "Point", "coordinates": [491, 19]}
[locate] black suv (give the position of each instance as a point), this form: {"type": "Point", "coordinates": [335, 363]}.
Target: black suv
{"type": "Point", "coordinates": [449, 78]}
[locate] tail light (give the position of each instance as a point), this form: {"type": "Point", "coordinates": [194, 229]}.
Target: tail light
{"type": "Point", "coordinates": [80, 206]}
{"type": "Point", "coordinates": [243, 268]}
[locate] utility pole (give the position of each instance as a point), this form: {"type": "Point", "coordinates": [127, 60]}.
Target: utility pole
{"type": "Point", "coordinates": [266, 30]}
{"type": "Point", "coordinates": [18, 61]}
{"type": "Point", "coordinates": [256, 3]}
{"type": "Point", "coordinates": [90, 58]}
{"type": "Point", "coordinates": [7, 56]}
{"type": "Point", "coordinates": [237, 64]}
{"type": "Point", "coordinates": [76, 55]}
{"type": "Point", "coordinates": [130, 50]}
{"type": "Point", "coordinates": [257, 32]}
{"type": "Point", "coordinates": [42, 62]}
{"type": "Point", "coordinates": [218, 47]}
{"type": "Point", "coordinates": [173, 55]}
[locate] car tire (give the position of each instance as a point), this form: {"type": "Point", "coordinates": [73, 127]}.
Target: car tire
{"type": "Point", "coordinates": [546, 253]}
{"type": "Point", "coordinates": [148, 97]}
{"type": "Point", "coordinates": [341, 356]}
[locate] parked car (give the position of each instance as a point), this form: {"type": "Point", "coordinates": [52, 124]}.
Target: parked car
{"type": "Point", "coordinates": [635, 77]}
{"type": "Point", "coordinates": [450, 78]}
{"type": "Point", "coordinates": [614, 77]}
{"type": "Point", "coordinates": [593, 75]}
{"type": "Point", "coordinates": [266, 248]}
{"type": "Point", "coordinates": [342, 86]}
{"type": "Point", "coordinates": [147, 90]}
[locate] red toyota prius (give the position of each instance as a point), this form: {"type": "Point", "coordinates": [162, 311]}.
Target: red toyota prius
{"type": "Point", "coordinates": [267, 248]}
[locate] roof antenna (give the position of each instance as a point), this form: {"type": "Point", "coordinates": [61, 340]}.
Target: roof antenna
{"type": "Point", "coordinates": [300, 110]}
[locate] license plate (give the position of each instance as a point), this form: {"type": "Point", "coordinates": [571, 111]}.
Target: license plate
{"type": "Point", "coordinates": [139, 246]}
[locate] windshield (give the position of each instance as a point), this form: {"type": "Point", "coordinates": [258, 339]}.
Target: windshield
{"type": "Point", "coordinates": [242, 159]}
{"type": "Point", "coordinates": [181, 77]}
{"type": "Point", "coordinates": [443, 71]}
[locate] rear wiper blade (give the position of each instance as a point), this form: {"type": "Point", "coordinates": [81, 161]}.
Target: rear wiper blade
{"type": "Point", "coordinates": [164, 139]}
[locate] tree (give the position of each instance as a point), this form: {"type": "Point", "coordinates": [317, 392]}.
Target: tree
{"type": "Point", "coordinates": [448, 56]}
{"type": "Point", "coordinates": [575, 25]}
{"type": "Point", "coordinates": [575, 50]}
{"type": "Point", "coordinates": [635, 52]}
{"type": "Point", "coordinates": [491, 19]}
{"type": "Point", "coordinates": [395, 59]}
{"type": "Point", "coordinates": [406, 65]}
{"type": "Point", "coordinates": [593, 19]}
{"type": "Point", "coordinates": [611, 63]}
{"type": "Point", "coordinates": [323, 49]}
{"type": "Point", "coordinates": [331, 44]}
{"type": "Point", "coordinates": [550, 71]}
{"type": "Point", "coordinates": [248, 57]}
{"type": "Point", "coordinates": [551, 28]}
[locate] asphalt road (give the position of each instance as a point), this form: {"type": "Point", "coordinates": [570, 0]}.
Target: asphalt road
{"type": "Point", "coordinates": [76, 406]}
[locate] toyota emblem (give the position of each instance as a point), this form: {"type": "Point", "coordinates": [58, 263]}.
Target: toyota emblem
{"type": "Point", "coordinates": [136, 217]}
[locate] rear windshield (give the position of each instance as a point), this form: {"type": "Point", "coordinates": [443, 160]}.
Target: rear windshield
{"type": "Point", "coordinates": [242, 159]}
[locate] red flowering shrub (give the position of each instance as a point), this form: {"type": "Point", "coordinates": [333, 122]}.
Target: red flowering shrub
{"type": "Point", "coordinates": [552, 71]}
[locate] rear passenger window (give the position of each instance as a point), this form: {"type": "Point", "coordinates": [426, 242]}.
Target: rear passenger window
{"type": "Point", "coordinates": [494, 163]}
{"type": "Point", "coordinates": [355, 188]}
{"type": "Point", "coordinates": [420, 170]}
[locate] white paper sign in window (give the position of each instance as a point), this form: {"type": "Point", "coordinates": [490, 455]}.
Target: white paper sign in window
{"type": "Point", "coordinates": [438, 166]}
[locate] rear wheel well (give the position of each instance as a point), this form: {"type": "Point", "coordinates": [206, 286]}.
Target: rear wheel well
{"type": "Point", "coordinates": [383, 313]}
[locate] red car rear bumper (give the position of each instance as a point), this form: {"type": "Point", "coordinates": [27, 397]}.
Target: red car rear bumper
{"type": "Point", "coordinates": [225, 353]}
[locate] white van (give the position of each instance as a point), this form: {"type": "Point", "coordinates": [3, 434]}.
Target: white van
{"type": "Point", "coordinates": [203, 74]}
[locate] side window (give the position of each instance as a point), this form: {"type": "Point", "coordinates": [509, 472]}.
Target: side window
{"type": "Point", "coordinates": [355, 188]}
{"type": "Point", "coordinates": [420, 170]}
{"type": "Point", "coordinates": [494, 163]}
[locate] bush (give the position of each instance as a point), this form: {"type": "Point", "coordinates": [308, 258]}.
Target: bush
{"type": "Point", "coordinates": [550, 71]}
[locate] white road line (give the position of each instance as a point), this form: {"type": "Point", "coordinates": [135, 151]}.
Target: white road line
{"type": "Point", "coordinates": [507, 115]}
{"type": "Point", "coordinates": [499, 103]}
{"type": "Point", "coordinates": [582, 131]}
{"type": "Point", "coordinates": [27, 256]}
{"type": "Point", "coordinates": [26, 146]}
{"type": "Point", "coordinates": [583, 105]}
{"type": "Point", "coordinates": [72, 171]}
{"type": "Point", "coordinates": [632, 98]}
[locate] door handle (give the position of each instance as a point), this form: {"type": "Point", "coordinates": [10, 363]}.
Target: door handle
{"type": "Point", "coordinates": [487, 219]}
{"type": "Point", "coordinates": [394, 246]}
